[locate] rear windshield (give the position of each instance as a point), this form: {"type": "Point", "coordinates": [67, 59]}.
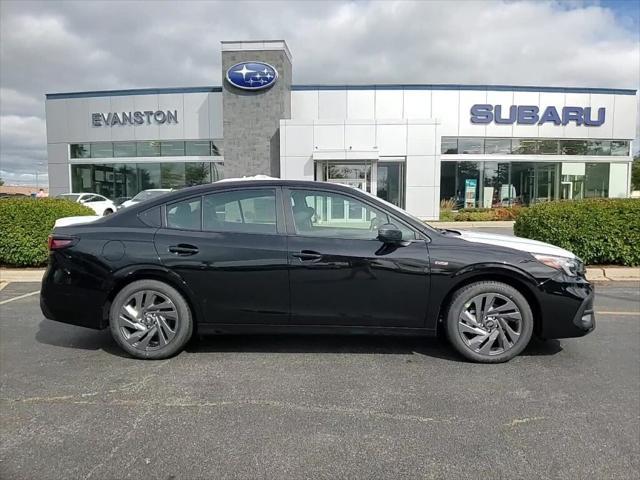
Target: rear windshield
{"type": "Point", "coordinates": [147, 194]}
{"type": "Point", "coordinates": [69, 196]}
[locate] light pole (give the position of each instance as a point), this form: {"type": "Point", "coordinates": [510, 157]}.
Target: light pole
{"type": "Point", "coordinates": [38, 164]}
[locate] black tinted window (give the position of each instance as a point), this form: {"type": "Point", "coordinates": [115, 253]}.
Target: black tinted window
{"type": "Point", "coordinates": [185, 215]}
{"type": "Point", "coordinates": [248, 211]}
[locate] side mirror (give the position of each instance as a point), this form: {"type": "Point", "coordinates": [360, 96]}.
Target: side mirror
{"type": "Point", "coordinates": [389, 233]}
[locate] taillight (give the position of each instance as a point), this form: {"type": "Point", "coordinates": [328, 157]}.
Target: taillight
{"type": "Point", "coordinates": [58, 243]}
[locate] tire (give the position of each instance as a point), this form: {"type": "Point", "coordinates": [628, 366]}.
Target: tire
{"type": "Point", "coordinates": [492, 338]}
{"type": "Point", "coordinates": [150, 320]}
{"type": "Point", "coordinates": [108, 211]}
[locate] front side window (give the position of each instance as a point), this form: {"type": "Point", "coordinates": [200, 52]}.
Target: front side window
{"type": "Point", "coordinates": [184, 215]}
{"type": "Point", "coordinates": [333, 215]}
{"type": "Point", "coordinates": [243, 211]}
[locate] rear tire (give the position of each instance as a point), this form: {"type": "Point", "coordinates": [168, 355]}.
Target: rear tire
{"type": "Point", "coordinates": [150, 320]}
{"type": "Point", "coordinates": [108, 211]}
{"type": "Point", "coordinates": [489, 322]}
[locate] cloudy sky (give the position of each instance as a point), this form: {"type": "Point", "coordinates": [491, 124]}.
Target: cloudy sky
{"type": "Point", "coordinates": [51, 46]}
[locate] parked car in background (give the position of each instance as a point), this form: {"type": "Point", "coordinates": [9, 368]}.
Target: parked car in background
{"type": "Point", "coordinates": [120, 200]}
{"type": "Point", "coordinates": [282, 256]}
{"type": "Point", "coordinates": [145, 195]}
{"type": "Point", "coordinates": [99, 204]}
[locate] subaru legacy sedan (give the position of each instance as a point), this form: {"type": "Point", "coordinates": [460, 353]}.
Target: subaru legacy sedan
{"type": "Point", "coordinates": [279, 257]}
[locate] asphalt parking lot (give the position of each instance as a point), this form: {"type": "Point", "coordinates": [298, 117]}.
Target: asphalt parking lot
{"type": "Point", "coordinates": [74, 407]}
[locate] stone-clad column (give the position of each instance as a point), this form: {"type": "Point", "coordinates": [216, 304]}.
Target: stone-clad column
{"type": "Point", "coordinates": [252, 118]}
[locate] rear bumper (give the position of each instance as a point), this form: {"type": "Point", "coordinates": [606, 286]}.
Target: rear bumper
{"type": "Point", "coordinates": [566, 305]}
{"type": "Point", "coordinates": [69, 299]}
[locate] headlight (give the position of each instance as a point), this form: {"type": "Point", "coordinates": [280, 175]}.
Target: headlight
{"type": "Point", "coordinates": [570, 266]}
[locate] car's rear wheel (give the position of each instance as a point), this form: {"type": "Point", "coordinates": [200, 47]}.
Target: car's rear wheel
{"type": "Point", "coordinates": [108, 211]}
{"type": "Point", "coordinates": [489, 322]}
{"type": "Point", "coordinates": [150, 319]}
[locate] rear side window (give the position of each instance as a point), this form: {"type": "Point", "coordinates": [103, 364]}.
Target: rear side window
{"type": "Point", "coordinates": [185, 215]}
{"type": "Point", "coordinates": [151, 217]}
{"type": "Point", "coordinates": [245, 211]}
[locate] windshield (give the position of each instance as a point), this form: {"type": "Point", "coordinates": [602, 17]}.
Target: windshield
{"type": "Point", "coordinates": [69, 196]}
{"type": "Point", "coordinates": [148, 194]}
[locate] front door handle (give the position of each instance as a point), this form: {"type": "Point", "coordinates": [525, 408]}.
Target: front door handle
{"type": "Point", "coordinates": [183, 249]}
{"type": "Point", "coordinates": [307, 255]}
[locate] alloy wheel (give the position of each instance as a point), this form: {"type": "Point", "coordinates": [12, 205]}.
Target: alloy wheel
{"type": "Point", "coordinates": [490, 324]}
{"type": "Point", "coordinates": [148, 320]}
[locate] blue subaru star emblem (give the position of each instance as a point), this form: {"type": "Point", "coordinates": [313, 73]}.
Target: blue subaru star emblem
{"type": "Point", "coordinates": [252, 75]}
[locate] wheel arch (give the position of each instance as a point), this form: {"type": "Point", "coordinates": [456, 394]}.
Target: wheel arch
{"type": "Point", "coordinates": [519, 280]}
{"type": "Point", "coordinates": [131, 274]}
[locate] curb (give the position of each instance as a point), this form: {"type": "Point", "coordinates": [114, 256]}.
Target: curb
{"type": "Point", "coordinates": [14, 275]}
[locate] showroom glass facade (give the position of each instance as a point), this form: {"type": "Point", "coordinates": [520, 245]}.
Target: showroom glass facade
{"type": "Point", "coordinates": [487, 184]}
{"type": "Point", "coordinates": [532, 146]}
{"type": "Point", "coordinates": [118, 180]}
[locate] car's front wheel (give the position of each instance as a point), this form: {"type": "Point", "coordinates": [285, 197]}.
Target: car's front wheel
{"type": "Point", "coordinates": [150, 319]}
{"type": "Point", "coordinates": [489, 322]}
{"type": "Point", "coordinates": [108, 211]}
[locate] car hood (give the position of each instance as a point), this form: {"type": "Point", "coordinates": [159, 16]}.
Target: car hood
{"type": "Point", "coordinates": [66, 221]}
{"type": "Point", "coordinates": [517, 243]}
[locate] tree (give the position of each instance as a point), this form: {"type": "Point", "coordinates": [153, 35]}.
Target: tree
{"type": "Point", "coordinates": [1, 181]}
{"type": "Point", "coordinates": [635, 173]}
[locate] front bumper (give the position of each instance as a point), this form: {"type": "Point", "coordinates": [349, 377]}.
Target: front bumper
{"type": "Point", "coordinates": [566, 305]}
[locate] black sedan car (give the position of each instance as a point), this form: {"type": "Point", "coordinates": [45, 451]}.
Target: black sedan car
{"type": "Point", "coordinates": [278, 256]}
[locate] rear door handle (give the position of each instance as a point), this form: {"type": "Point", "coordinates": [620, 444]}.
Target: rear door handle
{"type": "Point", "coordinates": [307, 255]}
{"type": "Point", "coordinates": [183, 249]}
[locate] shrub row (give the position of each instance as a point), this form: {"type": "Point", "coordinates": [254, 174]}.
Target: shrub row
{"type": "Point", "coordinates": [481, 214]}
{"type": "Point", "coordinates": [599, 231]}
{"type": "Point", "coordinates": [25, 224]}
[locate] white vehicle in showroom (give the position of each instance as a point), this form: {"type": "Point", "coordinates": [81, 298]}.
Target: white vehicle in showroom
{"type": "Point", "coordinates": [99, 204]}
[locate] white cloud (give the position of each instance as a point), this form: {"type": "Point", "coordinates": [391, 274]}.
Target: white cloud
{"type": "Point", "coordinates": [69, 46]}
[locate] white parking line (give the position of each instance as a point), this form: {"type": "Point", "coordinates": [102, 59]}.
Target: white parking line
{"type": "Point", "coordinates": [19, 297]}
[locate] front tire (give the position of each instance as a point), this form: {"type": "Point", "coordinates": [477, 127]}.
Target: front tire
{"type": "Point", "coordinates": [489, 322]}
{"type": "Point", "coordinates": [150, 320]}
{"type": "Point", "coordinates": [108, 211]}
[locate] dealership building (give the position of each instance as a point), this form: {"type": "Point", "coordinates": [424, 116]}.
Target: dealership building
{"type": "Point", "coordinates": [411, 144]}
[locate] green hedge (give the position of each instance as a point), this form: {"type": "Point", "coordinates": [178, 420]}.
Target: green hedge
{"type": "Point", "coordinates": [599, 231]}
{"type": "Point", "coordinates": [481, 214]}
{"type": "Point", "coordinates": [25, 224]}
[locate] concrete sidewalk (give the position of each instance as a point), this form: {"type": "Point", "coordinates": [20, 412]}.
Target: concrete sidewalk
{"type": "Point", "coordinates": [594, 274]}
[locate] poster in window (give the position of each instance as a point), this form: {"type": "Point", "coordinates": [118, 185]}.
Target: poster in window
{"type": "Point", "coordinates": [470, 187]}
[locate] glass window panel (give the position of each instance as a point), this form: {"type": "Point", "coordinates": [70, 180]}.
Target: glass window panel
{"type": "Point", "coordinates": [172, 149]}
{"type": "Point", "coordinates": [573, 147]}
{"type": "Point", "coordinates": [217, 148]}
{"type": "Point", "coordinates": [197, 173]}
{"type": "Point", "coordinates": [522, 181]}
{"type": "Point", "coordinates": [549, 147]}
{"type": "Point", "coordinates": [524, 146]}
{"type": "Point", "coordinates": [619, 148]}
{"type": "Point", "coordinates": [596, 180]}
{"type": "Point", "coordinates": [148, 149]}
{"type": "Point", "coordinates": [598, 147]}
{"type": "Point", "coordinates": [185, 215]}
{"type": "Point", "coordinates": [124, 149]}
{"type": "Point", "coordinates": [497, 146]}
{"type": "Point", "coordinates": [468, 184]}
{"type": "Point", "coordinates": [80, 150]}
{"type": "Point", "coordinates": [497, 192]}
{"type": "Point", "coordinates": [471, 145]}
{"type": "Point", "coordinates": [572, 181]}
{"type": "Point", "coordinates": [217, 171]}
{"type": "Point", "coordinates": [172, 174]}
{"type": "Point", "coordinates": [198, 148]}
{"type": "Point", "coordinates": [244, 211]}
{"type": "Point", "coordinates": [449, 145]}
{"type": "Point", "coordinates": [104, 177]}
{"type": "Point", "coordinates": [448, 190]}
{"type": "Point", "coordinates": [102, 150]}
{"type": "Point", "coordinates": [545, 182]}
{"type": "Point", "coordinates": [148, 175]}
{"type": "Point", "coordinates": [82, 178]}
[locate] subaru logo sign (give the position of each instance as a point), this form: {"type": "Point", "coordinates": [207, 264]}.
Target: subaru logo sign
{"type": "Point", "coordinates": [252, 75]}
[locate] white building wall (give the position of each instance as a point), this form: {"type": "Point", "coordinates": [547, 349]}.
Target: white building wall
{"type": "Point", "coordinates": [69, 121]}
{"type": "Point", "coordinates": [416, 140]}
